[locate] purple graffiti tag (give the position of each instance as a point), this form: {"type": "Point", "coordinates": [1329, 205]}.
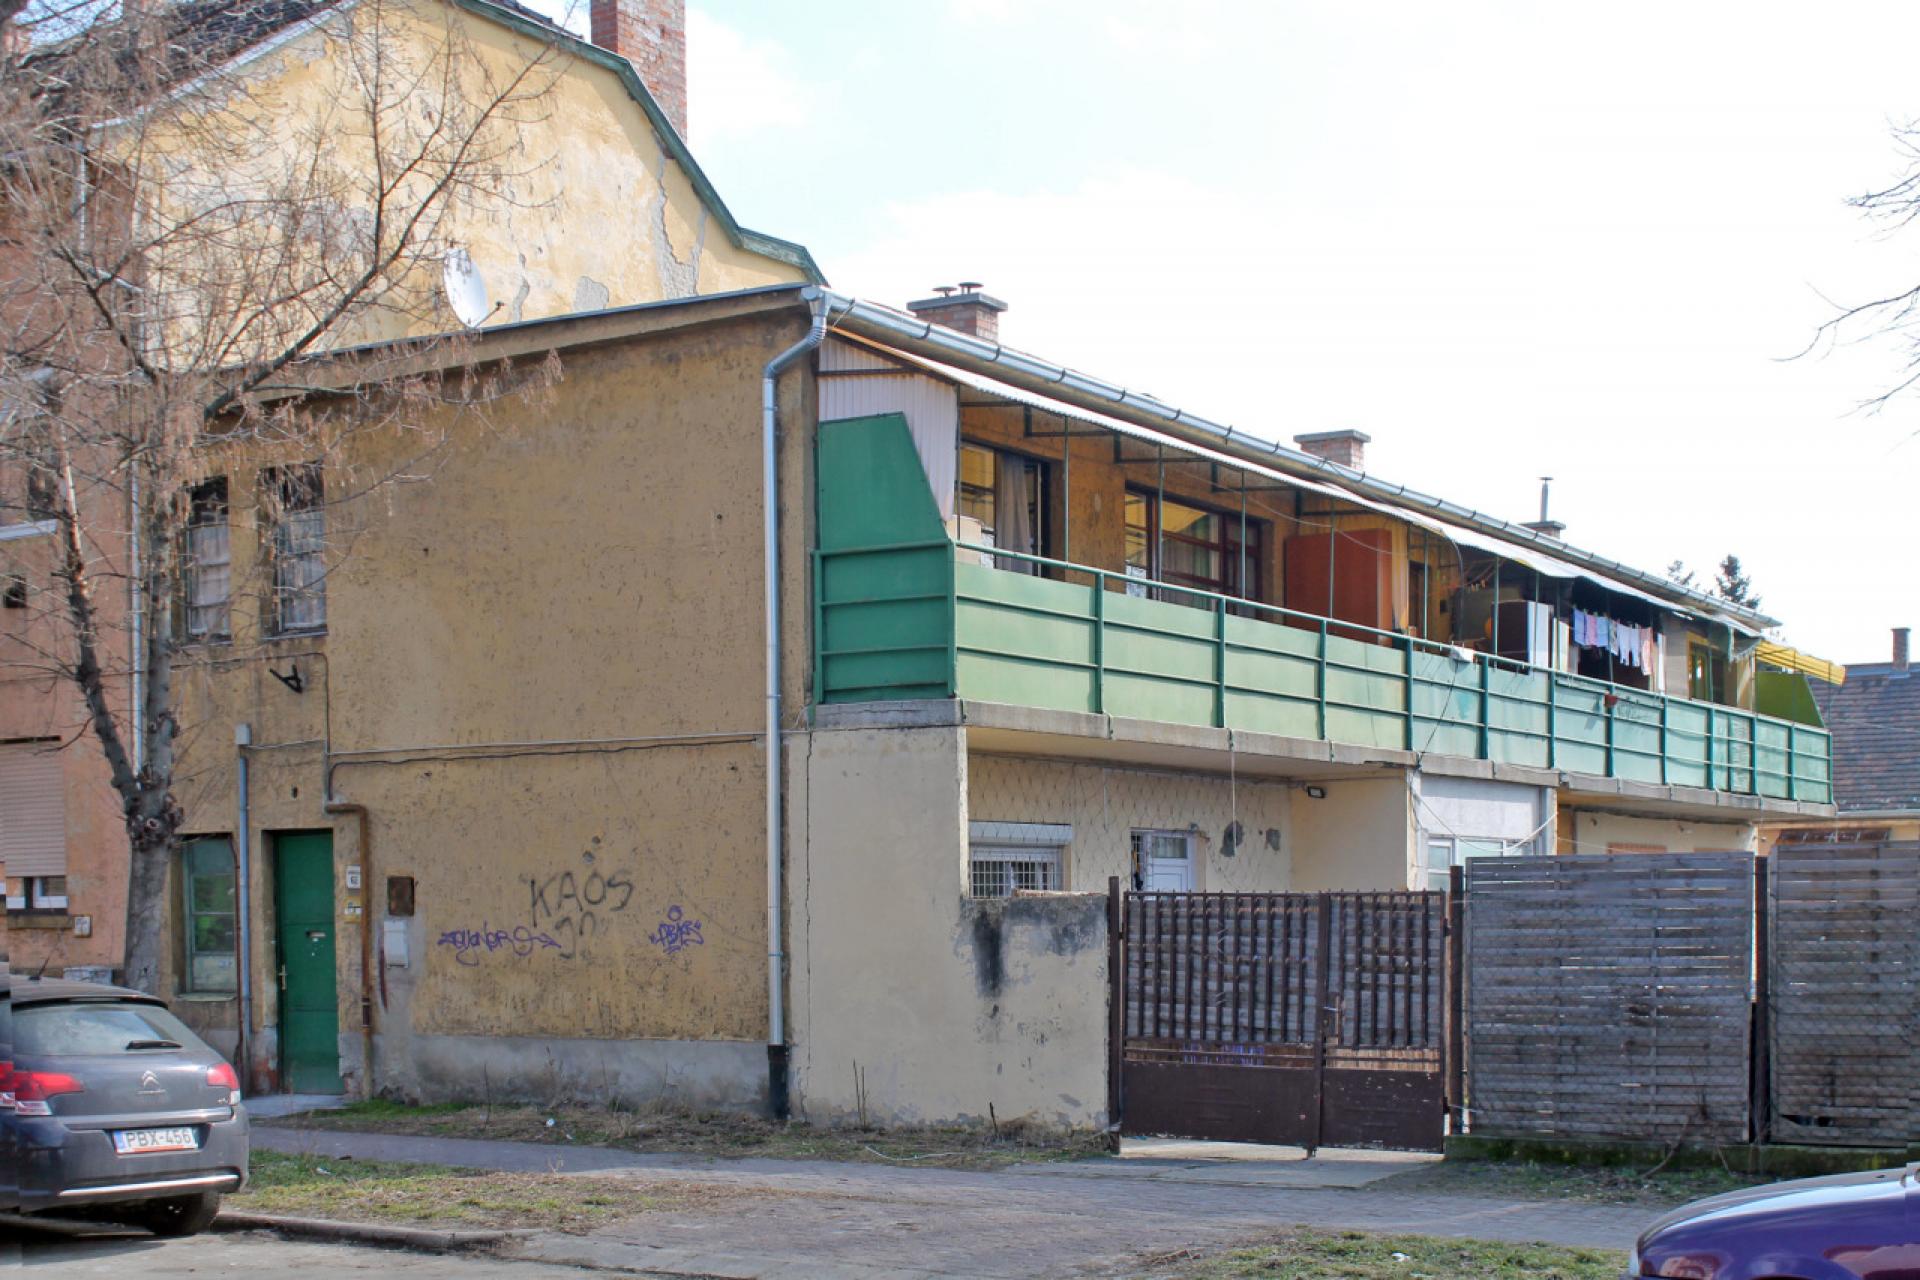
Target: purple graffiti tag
{"type": "Point", "coordinates": [676, 934]}
{"type": "Point", "coordinates": [521, 940]}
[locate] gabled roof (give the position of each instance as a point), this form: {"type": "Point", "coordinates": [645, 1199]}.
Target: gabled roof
{"type": "Point", "coordinates": [205, 35]}
{"type": "Point", "coordinates": [1875, 721]}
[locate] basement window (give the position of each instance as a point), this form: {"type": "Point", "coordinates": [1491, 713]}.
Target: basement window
{"type": "Point", "coordinates": [1006, 857]}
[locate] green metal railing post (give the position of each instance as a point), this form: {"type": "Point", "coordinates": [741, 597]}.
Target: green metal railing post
{"type": "Point", "coordinates": [1100, 642]}
{"type": "Point", "coordinates": [1320, 680]}
{"type": "Point", "coordinates": [1610, 703]}
{"type": "Point", "coordinates": [1220, 663]}
{"type": "Point", "coordinates": [1407, 648]}
{"type": "Point", "coordinates": [1553, 720]}
{"type": "Point", "coordinates": [1486, 708]}
{"type": "Point", "coordinates": [1793, 780]}
{"type": "Point", "coordinates": [1666, 749]}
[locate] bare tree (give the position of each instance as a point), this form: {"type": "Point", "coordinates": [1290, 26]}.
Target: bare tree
{"type": "Point", "coordinates": [183, 235]}
{"type": "Point", "coordinates": [1894, 315]}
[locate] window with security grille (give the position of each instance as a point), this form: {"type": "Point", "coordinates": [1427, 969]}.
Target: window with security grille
{"type": "Point", "coordinates": [998, 873]}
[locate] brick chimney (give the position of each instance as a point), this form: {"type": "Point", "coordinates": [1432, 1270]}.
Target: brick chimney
{"type": "Point", "coordinates": [1900, 648]}
{"type": "Point", "coordinates": [1348, 448]}
{"type": "Point", "coordinates": [964, 308]}
{"type": "Point", "coordinates": [652, 35]}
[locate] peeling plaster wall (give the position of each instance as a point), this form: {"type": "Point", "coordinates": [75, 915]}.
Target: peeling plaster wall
{"type": "Point", "coordinates": [911, 1003]}
{"type": "Point", "coordinates": [1105, 805]}
{"type": "Point", "coordinates": [592, 211]}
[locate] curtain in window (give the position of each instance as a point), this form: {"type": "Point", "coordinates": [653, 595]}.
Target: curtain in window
{"type": "Point", "coordinates": [209, 579]}
{"type": "Point", "coordinates": [1013, 488]}
{"type": "Point", "coordinates": [300, 570]}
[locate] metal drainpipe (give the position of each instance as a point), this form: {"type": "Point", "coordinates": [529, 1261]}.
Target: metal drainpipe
{"type": "Point", "coordinates": [779, 1098]}
{"type": "Point", "coordinates": [365, 854]}
{"type": "Point", "coordinates": [243, 871]}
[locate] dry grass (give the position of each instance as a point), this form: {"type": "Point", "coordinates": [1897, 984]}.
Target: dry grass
{"type": "Point", "coordinates": [1354, 1255]}
{"type": "Point", "coordinates": [1595, 1184]}
{"type": "Point", "coordinates": [718, 1134]}
{"type": "Point", "coordinates": [433, 1195]}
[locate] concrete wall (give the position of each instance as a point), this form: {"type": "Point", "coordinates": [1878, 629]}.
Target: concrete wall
{"type": "Point", "coordinates": [1105, 805]}
{"type": "Point", "coordinates": [911, 1003]}
{"type": "Point", "coordinates": [1359, 836]}
{"type": "Point", "coordinates": [1590, 831]}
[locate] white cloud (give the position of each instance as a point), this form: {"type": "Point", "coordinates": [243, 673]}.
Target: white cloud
{"type": "Point", "coordinates": [739, 85]}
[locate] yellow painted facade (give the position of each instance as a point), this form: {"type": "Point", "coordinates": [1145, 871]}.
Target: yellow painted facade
{"type": "Point", "coordinates": [552, 723]}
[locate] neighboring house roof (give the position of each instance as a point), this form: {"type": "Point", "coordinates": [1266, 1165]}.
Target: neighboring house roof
{"type": "Point", "coordinates": [1875, 721]}
{"type": "Point", "coordinates": [207, 34]}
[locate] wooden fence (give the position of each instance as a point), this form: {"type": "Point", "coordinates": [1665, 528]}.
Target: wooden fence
{"type": "Point", "coordinates": [1609, 996]}
{"type": "Point", "coordinates": [1844, 1018]}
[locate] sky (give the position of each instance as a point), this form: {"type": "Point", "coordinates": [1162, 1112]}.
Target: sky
{"type": "Point", "coordinates": [1506, 241]}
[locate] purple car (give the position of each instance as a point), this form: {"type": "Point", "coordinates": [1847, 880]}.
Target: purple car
{"type": "Point", "coordinates": [1854, 1226]}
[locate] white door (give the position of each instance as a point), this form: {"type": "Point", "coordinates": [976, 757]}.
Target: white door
{"type": "Point", "coordinates": [1165, 860]}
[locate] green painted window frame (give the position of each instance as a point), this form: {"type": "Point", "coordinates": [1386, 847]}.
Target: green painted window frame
{"type": "Point", "coordinates": [205, 906]}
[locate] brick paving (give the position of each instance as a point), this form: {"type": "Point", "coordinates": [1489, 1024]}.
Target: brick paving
{"type": "Point", "coordinates": [880, 1222]}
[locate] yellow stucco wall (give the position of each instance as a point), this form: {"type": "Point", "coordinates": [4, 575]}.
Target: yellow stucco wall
{"type": "Point", "coordinates": [580, 576]}
{"type": "Point", "coordinates": [576, 204]}
{"type": "Point", "coordinates": [1588, 831]}
{"type": "Point", "coordinates": [1359, 836]}
{"type": "Point", "coordinates": [1105, 805]}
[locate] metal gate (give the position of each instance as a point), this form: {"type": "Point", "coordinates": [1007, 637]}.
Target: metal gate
{"type": "Point", "coordinates": [1234, 1020]}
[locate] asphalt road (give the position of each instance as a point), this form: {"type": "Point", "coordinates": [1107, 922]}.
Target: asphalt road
{"type": "Point", "coordinates": [107, 1251]}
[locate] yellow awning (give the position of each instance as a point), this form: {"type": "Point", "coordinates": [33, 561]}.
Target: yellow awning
{"type": "Point", "coordinates": [1806, 664]}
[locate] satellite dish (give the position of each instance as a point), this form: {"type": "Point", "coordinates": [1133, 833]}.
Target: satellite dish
{"type": "Point", "coordinates": [466, 290]}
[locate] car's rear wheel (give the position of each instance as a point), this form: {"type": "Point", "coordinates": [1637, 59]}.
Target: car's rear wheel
{"type": "Point", "coordinates": [181, 1215]}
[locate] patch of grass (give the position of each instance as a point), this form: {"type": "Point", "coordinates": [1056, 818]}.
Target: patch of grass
{"type": "Point", "coordinates": [718, 1134]}
{"type": "Point", "coordinates": [1354, 1255]}
{"type": "Point", "coordinates": [1595, 1184]}
{"type": "Point", "coordinates": [406, 1194]}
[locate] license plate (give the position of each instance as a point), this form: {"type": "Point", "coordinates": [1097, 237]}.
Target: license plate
{"type": "Point", "coordinates": [133, 1142]}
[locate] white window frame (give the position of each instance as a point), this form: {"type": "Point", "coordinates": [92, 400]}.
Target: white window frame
{"type": "Point", "coordinates": [1439, 874]}
{"type": "Point", "coordinates": [1137, 839]}
{"type": "Point", "coordinates": [34, 895]}
{"type": "Point", "coordinates": [1035, 846]}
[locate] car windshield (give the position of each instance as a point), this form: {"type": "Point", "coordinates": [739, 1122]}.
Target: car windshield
{"type": "Point", "coordinates": [96, 1028]}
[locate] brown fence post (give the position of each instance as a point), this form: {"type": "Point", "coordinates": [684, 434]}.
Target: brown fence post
{"type": "Point", "coordinates": [1761, 1104]}
{"type": "Point", "coordinates": [1456, 980]}
{"type": "Point", "coordinates": [1116, 1001]}
{"type": "Point", "coordinates": [1322, 962]}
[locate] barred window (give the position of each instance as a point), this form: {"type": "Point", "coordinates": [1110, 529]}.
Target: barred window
{"type": "Point", "coordinates": [1006, 857]}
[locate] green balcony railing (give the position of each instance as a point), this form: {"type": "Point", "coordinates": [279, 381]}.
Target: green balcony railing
{"type": "Point", "coordinates": [922, 619]}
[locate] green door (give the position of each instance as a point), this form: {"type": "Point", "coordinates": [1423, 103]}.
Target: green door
{"type": "Point", "coordinates": [309, 1005]}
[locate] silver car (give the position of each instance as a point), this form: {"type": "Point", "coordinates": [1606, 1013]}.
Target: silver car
{"type": "Point", "coordinates": [113, 1108]}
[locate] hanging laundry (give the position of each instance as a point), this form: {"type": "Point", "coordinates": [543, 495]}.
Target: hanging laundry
{"type": "Point", "coordinates": [1649, 661]}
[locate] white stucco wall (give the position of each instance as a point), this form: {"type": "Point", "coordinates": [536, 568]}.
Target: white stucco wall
{"type": "Point", "coordinates": [911, 1003]}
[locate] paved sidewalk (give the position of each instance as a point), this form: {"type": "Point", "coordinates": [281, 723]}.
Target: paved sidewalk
{"type": "Point", "coordinates": [881, 1222]}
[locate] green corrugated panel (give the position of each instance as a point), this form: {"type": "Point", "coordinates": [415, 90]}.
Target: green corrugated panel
{"type": "Point", "coordinates": [885, 580]}
{"type": "Point", "coordinates": [1787, 696]}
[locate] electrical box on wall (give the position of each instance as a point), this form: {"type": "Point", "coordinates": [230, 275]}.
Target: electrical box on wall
{"type": "Point", "coordinates": [393, 943]}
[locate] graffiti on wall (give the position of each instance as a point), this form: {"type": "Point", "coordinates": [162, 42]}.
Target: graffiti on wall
{"type": "Point", "coordinates": [676, 933]}
{"type": "Point", "coordinates": [575, 904]}
{"type": "Point", "coordinates": [521, 940]}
